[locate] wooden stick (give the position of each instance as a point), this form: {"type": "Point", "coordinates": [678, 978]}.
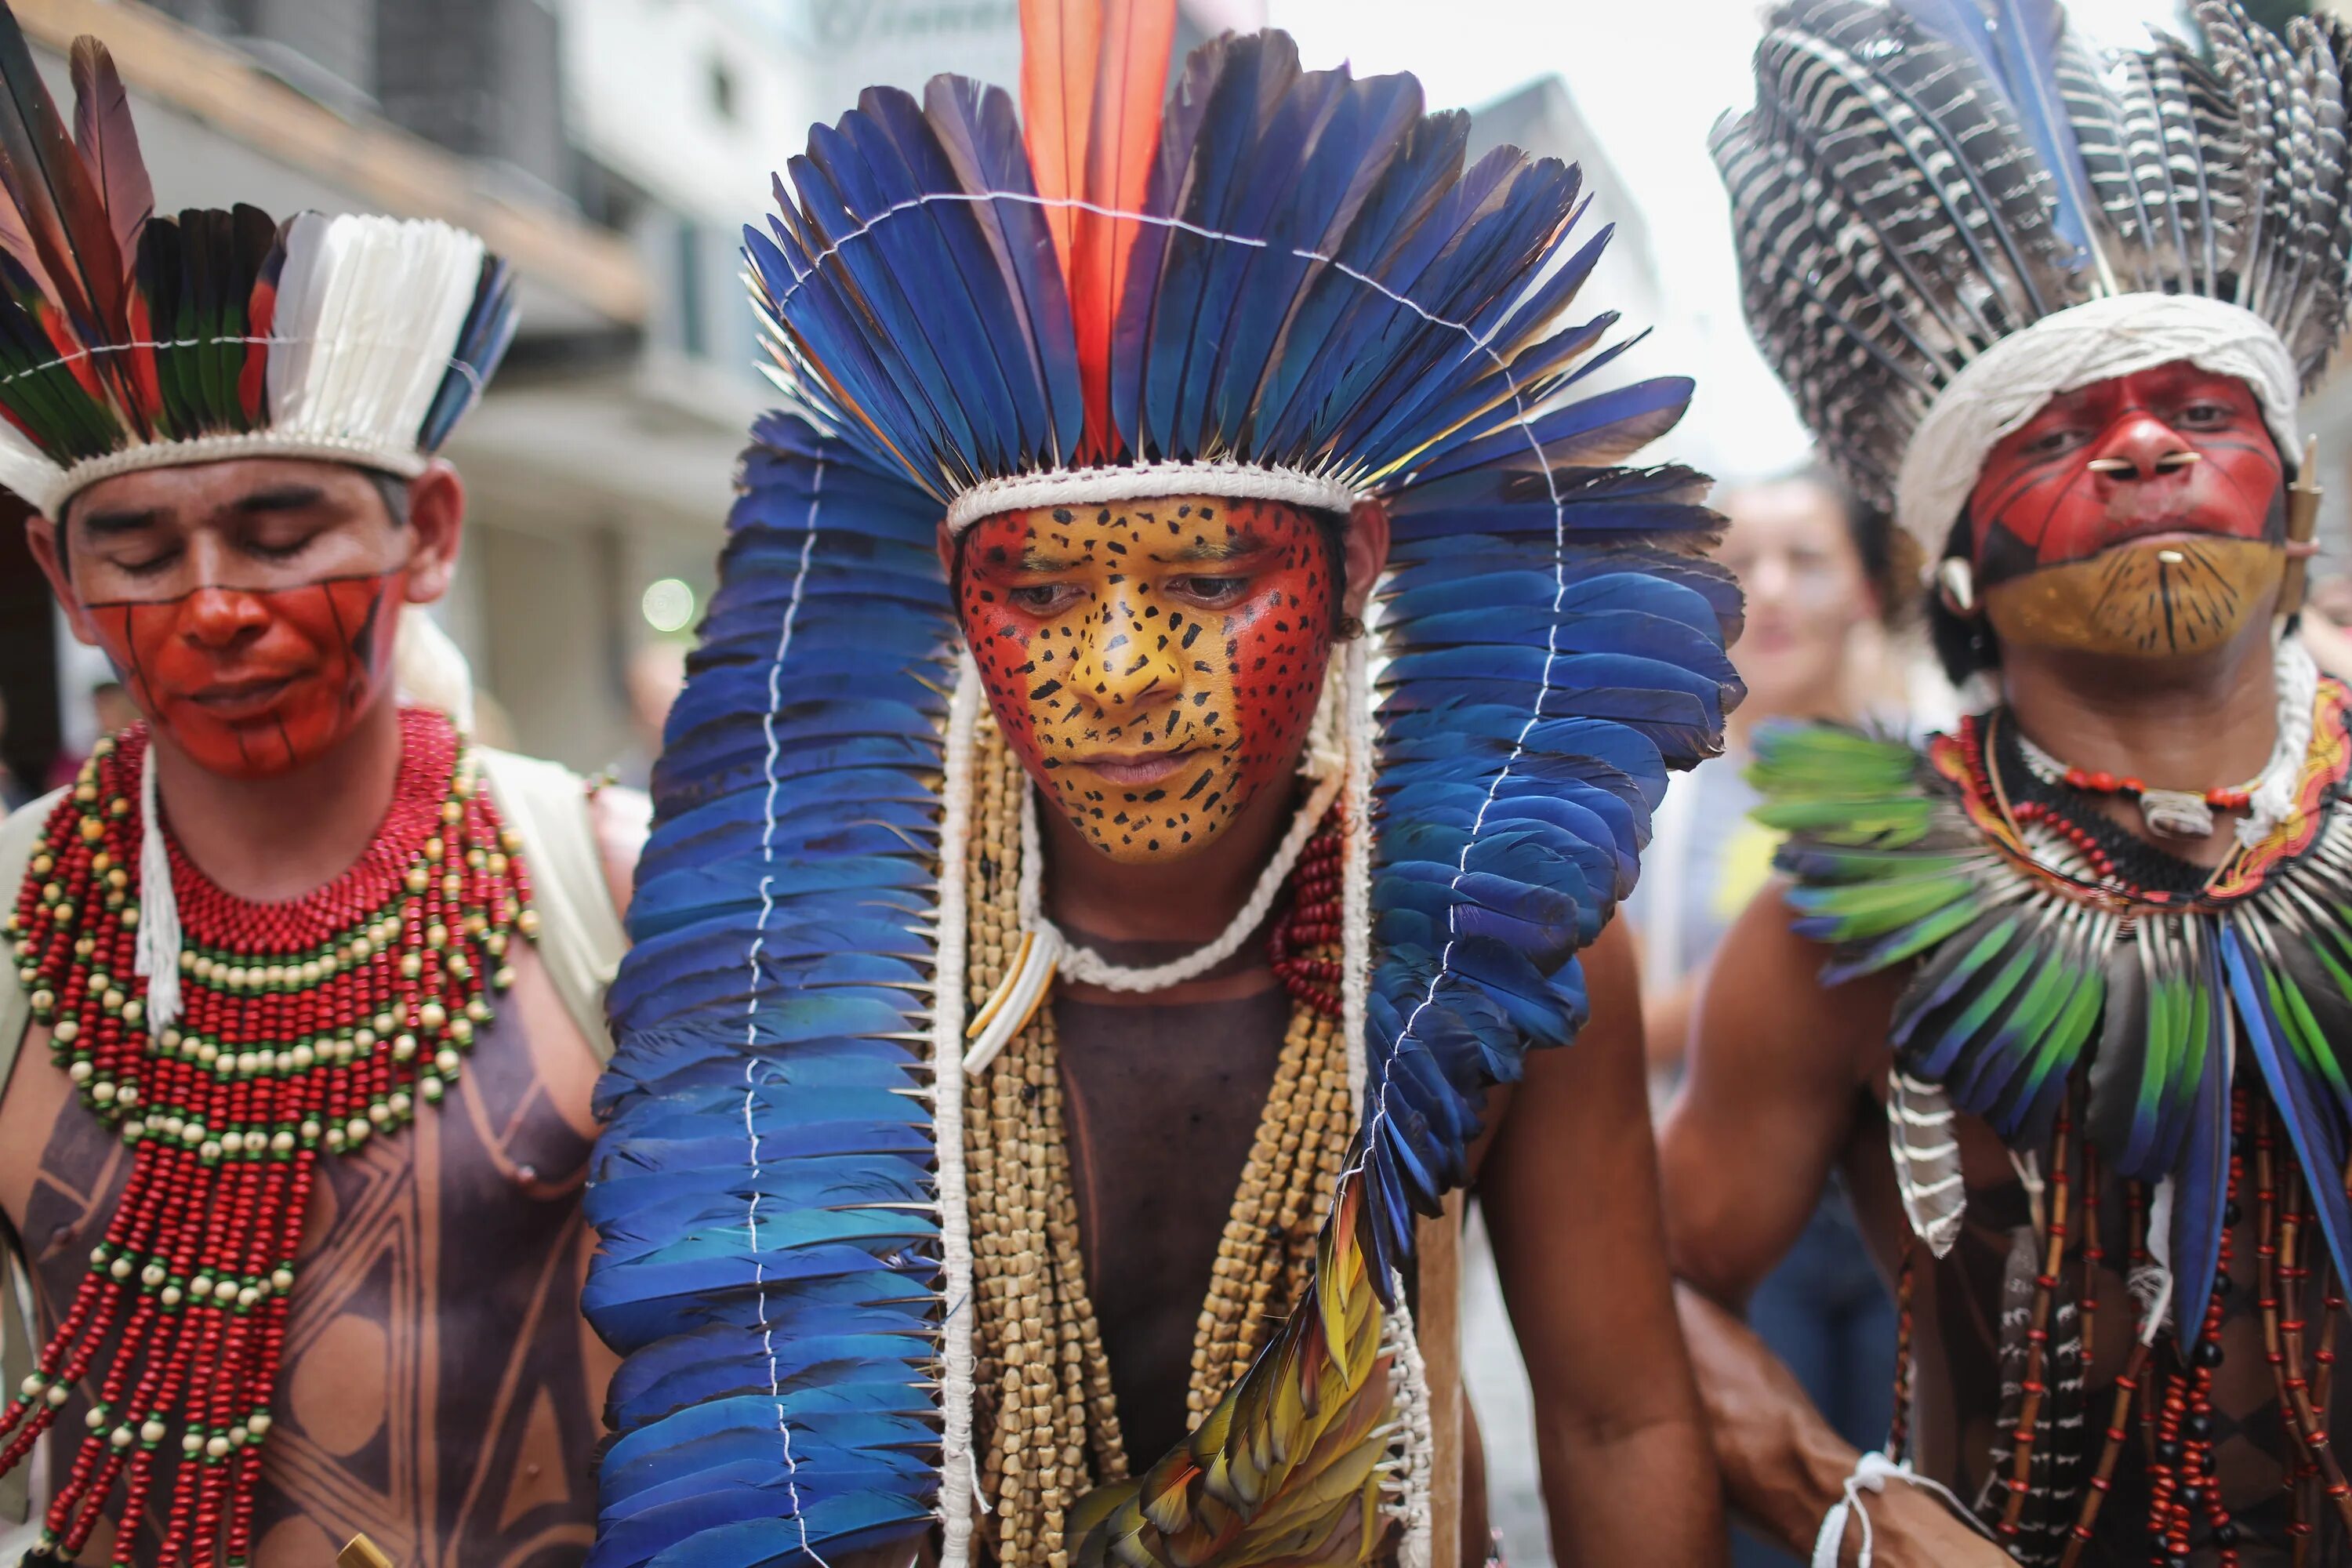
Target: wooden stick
{"type": "Point", "coordinates": [2302, 527]}
{"type": "Point", "coordinates": [1437, 1324]}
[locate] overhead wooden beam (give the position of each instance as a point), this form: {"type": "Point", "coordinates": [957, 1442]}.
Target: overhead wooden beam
{"type": "Point", "coordinates": [383, 167]}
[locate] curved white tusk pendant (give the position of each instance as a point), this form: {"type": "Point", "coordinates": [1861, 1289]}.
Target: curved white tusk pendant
{"type": "Point", "coordinates": [1015, 1000]}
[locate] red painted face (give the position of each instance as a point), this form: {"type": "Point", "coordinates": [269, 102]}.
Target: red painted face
{"type": "Point", "coordinates": [252, 682]}
{"type": "Point", "coordinates": [1154, 663]}
{"type": "Point", "coordinates": [249, 606]}
{"type": "Point", "coordinates": [2175, 449]}
{"type": "Point", "coordinates": [2141, 517]}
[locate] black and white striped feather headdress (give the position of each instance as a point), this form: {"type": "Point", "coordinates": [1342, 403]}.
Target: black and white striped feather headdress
{"type": "Point", "coordinates": [1949, 210]}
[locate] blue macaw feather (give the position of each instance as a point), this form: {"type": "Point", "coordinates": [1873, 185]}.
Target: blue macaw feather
{"type": "Point", "coordinates": [980, 138]}
{"type": "Point", "coordinates": [850, 1522]}
{"type": "Point", "coordinates": [1325, 331]}
{"type": "Point", "coordinates": [687, 1056]}
{"type": "Point", "coordinates": [979, 321]}
{"type": "Point", "coordinates": [482, 343]}
{"type": "Point", "coordinates": [2302, 1102]}
{"type": "Point", "coordinates": [877, 1290]}
{"type": "Point", "coordinates": [1249, 289]}
{"type": "Point", "coordinates": [1257, 73]}
{"type": "Point", "coordinates": [2016, 43]}
{"type": "Point", "coordinates": [2202, 1187]}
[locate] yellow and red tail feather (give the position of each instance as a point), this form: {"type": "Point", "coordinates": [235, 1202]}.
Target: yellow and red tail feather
{"type": "Point", "coordinates": [1286, 1469]}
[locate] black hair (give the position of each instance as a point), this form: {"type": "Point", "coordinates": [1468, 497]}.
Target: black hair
{"type": "Point", "coordinates": [1964, 645]}
{"type": "Point", "coordinates": [394, 492]}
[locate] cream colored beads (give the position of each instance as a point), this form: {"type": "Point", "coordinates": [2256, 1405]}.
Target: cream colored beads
{"type": "Point", "coordinates": [1044, 1419]}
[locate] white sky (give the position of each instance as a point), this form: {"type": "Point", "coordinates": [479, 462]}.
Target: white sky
{"type": "Point", "coordinates": [1650, 77]}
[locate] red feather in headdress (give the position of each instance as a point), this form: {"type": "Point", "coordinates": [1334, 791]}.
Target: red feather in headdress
{"type": "Point", "coordinates": [1092, 76]}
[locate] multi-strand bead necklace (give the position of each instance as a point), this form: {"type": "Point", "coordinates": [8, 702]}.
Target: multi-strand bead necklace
{"type": "Point", "coordinates": [1045, 1418]}
{"type": "Point", "coordinates": [317, 1024]}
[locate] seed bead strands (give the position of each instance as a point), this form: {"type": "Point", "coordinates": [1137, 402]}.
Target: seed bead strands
{"type": "Point", "coordinates": [1042, 1395]}
{"type": "Point", "coordinates": [1267, 1250]}
{"type": "Point", "coordinates": [1045, 1420]}
{"type": "Point", "coordinates": [312, 1025]}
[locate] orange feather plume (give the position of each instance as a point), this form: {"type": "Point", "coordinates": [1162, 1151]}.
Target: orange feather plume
{"type": "Point", "coordinates": [1093, 74]}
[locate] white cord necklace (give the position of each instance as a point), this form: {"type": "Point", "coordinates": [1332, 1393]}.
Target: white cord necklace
{"type": "Point", "coordinates": [2270, 795]}
{"type": "Point", "coordinates": [1044, 952]}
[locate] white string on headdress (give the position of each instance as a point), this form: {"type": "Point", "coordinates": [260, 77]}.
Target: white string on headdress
{"type": "Point", "coordinates": [2001, 389]}
{"type": "Point", "coordinates": [368, 315]}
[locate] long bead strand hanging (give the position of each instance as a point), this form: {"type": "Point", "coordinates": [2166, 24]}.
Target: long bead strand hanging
{"type": "Point", "coordinates": [313, 1025]}
{"type": "Point", "coordinates": [1046, 1420]}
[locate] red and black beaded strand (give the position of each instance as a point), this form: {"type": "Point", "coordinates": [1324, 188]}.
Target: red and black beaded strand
{"type": "Point", "coordinates": [312, 1025]}
{"type": "Point", "coordinates": [2128, 1383]}
{"type": "Point", "coordinates": [2035, 1391]}
{"type": "Point", "coordinates": [1313, 922]}
{"type": "Point", "coordinates": [1898, 1427]}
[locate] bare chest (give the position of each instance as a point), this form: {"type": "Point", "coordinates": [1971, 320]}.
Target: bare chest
{"type": "Point", "coordinates": [1973, 1314]}
{"type": "Point", "coordinates": [438, 1389]}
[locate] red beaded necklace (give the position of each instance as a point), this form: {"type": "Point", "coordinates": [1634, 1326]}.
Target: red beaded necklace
{"type": "Point", "coordinates": [307, 1024]}
{"type": "Point", "coordinates": [1313, 921]}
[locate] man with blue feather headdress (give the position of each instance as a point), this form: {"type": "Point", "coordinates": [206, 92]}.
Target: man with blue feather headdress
{"type": "Point", "coordinates": [1071, 990]}
{"type": "Point", "coordinates": [2065, 993]}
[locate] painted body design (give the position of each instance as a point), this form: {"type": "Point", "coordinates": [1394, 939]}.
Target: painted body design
{"type": "Point", "coordinates": [253, 683]}
{"type": "Point", "coordinates": [439, 1390]}
{"type": "Point", "coordinates": [1154, 664]}
{"type": "Point", "coordinates": [2143, 515]}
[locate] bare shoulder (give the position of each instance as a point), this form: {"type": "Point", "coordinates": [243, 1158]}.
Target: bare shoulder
{"type": "Point", "coordinates": [1779, 1068]}
{"type": "Point", "coordinates": [1765, 1010]}
{"type": "Point", "coordinates": [1601, 1068]}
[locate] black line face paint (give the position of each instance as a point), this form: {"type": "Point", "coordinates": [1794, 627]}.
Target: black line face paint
{"type": "Point", "coordinates": [2154, 598]}
{"type": "Point", "coordinates": [1088, 627]}
{"type": "Point", "coordinates": [256, 682]}
{"type": "Point", "coordinates": [2170, 450]}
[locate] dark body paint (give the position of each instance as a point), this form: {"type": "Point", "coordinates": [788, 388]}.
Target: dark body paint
{"type": "Point", "coordinates": [440, 1391]}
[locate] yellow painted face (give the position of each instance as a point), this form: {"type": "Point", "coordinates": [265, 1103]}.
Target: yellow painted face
{"type": "Point", "coordinates": [1155, 663]}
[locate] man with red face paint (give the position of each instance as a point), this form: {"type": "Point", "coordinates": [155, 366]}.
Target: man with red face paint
{"type": "Point", "coordinates": [2062, 995]}
{"type": "Point", "coordinates": [305, 1003]}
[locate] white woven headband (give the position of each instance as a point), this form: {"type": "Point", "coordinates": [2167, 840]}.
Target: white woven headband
{"type": "Point", "coordinates": [1089, 487]}
{"type": "Point", "coordinates": [1996, 393]}
{"type": "Point", "coordinates": [392, 458]}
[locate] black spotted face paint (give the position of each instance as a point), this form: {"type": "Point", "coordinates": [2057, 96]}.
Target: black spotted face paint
{"type": "Point", "coordinates": [1155, 663]}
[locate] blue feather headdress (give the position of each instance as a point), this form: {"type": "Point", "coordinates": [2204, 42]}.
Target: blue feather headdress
{"type": "Point", "coordinates": [1290, 283]}
{"type": "Point", "coordinates": [1949, 210]}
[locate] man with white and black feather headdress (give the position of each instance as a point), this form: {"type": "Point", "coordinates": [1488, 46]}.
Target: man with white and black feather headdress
{"type": "Point", "coordinates": [2082, 1049]}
